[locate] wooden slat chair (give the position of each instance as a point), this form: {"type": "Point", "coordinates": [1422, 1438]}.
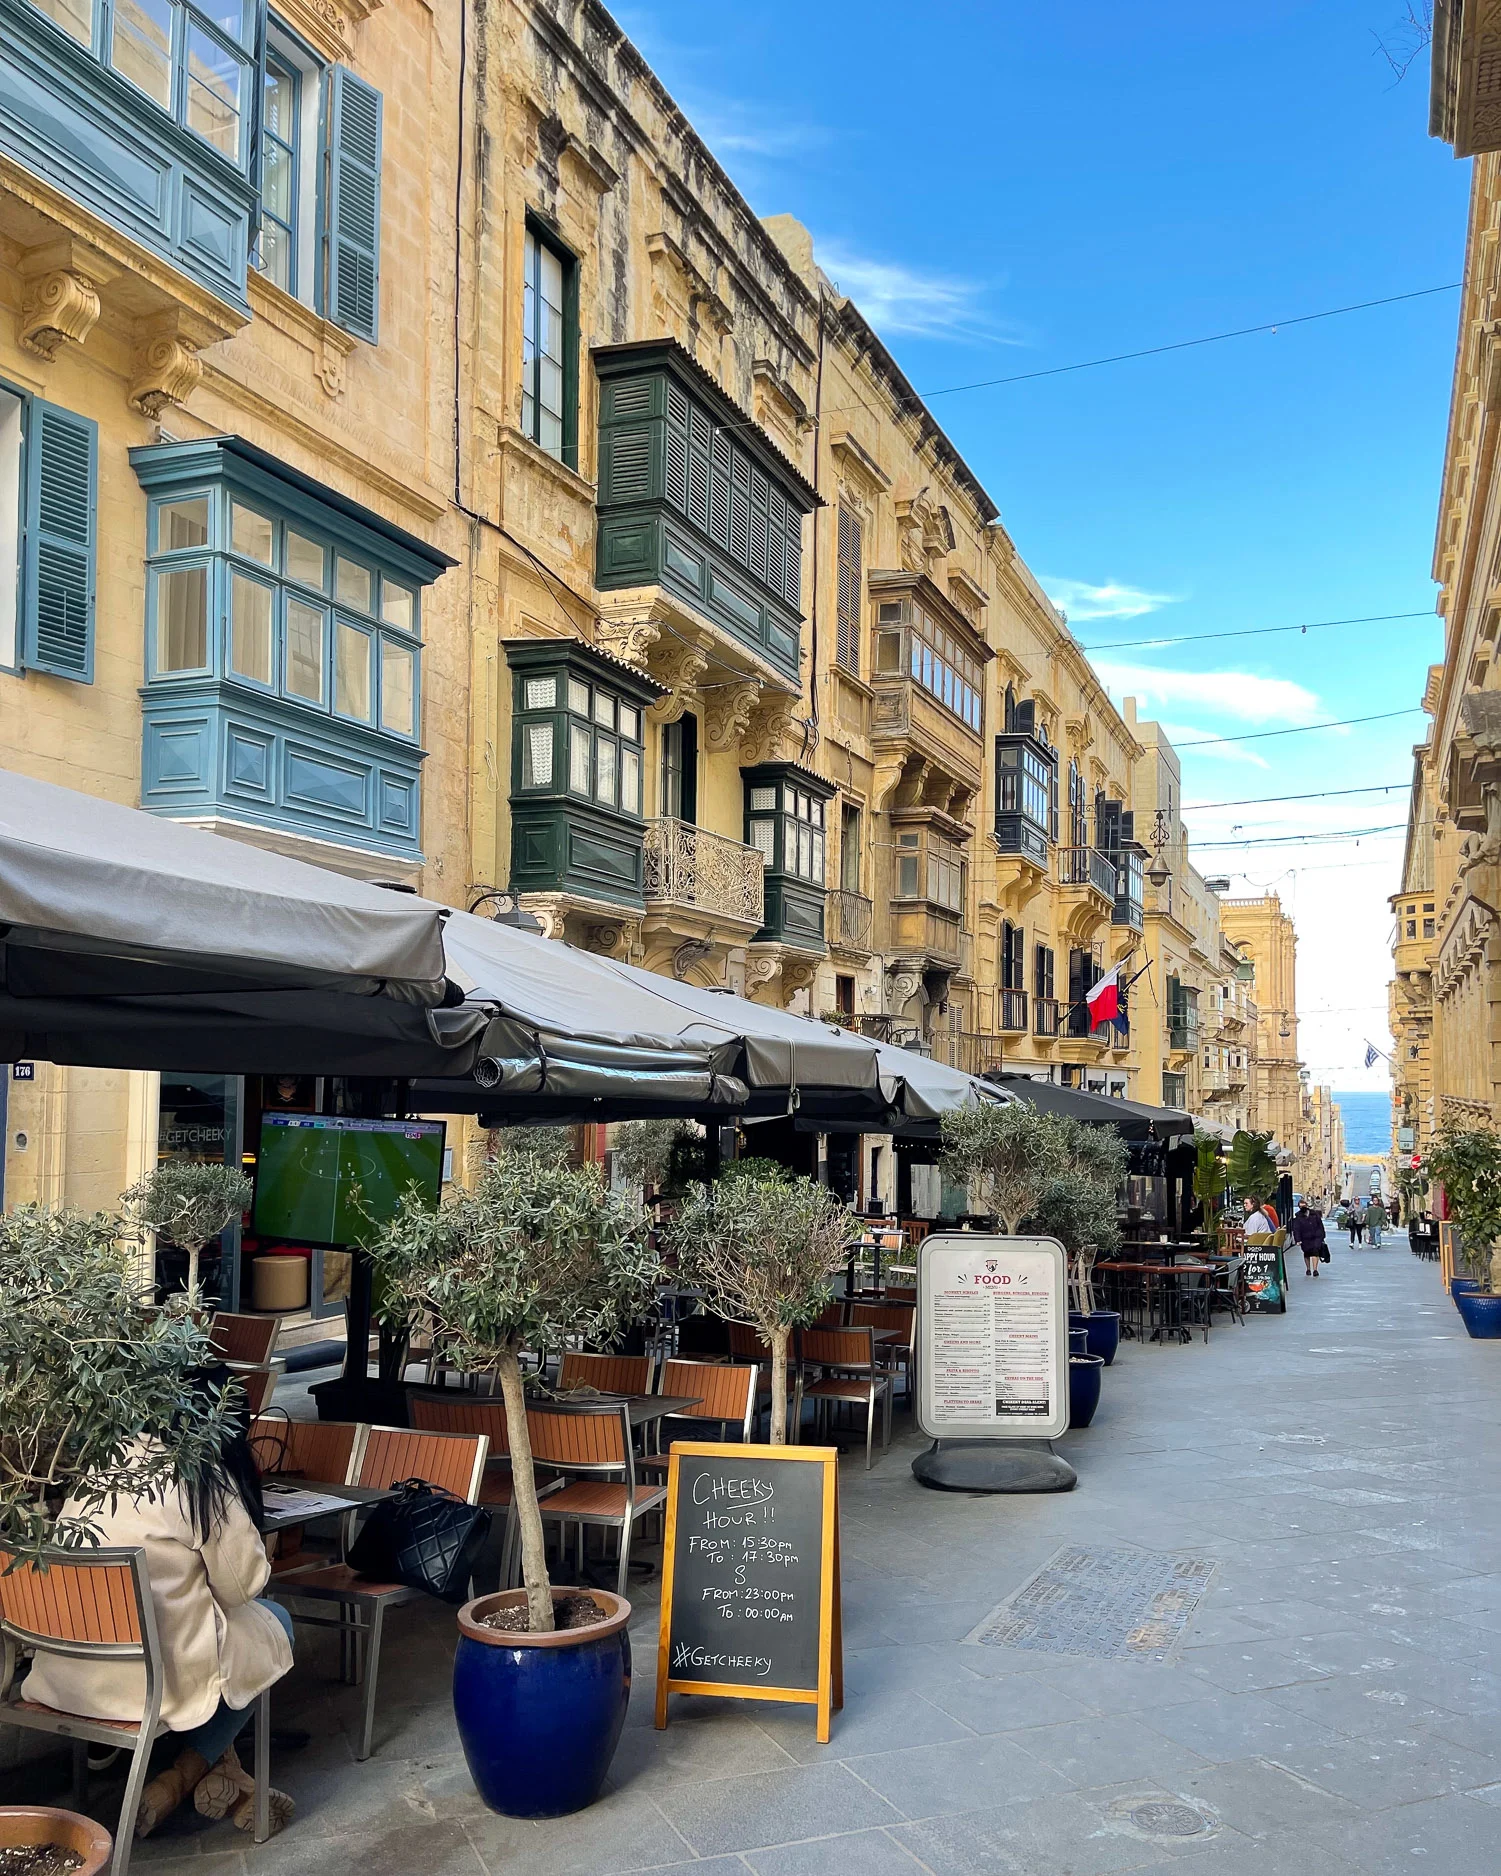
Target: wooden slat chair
{"type": "Point", "coordinates": [726, 1398]}
{"type": "Point", "coordinates": [260, 1384]}
{"type": "Point", "coordinates": [606, 1374]}
{"type": "Point", "coordinates": [901, 1292]}
{"type": "Point", "coordinates": [97, 1606]}
{"type": "Point", "coordinates": [591, 1445]}
{"type": "Point", "coordinates": [894, 1357]}
{"type": "Point", "coordinates": [446, 1412]}
{"type": "Point", "coordinates": [456, 1461]}
{"type": "Point", "coordinates": [847, 1358]}
{"type": "Point", "coordinates": [247, 1339]}
{"type": "Point", "coordinates": [327, 1451]}
{"type": "Point", "coordinates": [832, 1315]}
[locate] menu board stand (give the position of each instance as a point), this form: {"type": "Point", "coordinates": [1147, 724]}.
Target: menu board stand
{"type": "Point", "coordinates": [750, 1577]}
{"type": "Point", "coordinates": [992, 1331]}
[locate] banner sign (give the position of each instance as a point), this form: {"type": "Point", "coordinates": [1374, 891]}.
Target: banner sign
{"type": "Point", "coordinates": [992, 1330]}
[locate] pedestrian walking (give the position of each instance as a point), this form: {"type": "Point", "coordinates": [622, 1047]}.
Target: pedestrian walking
{"type": "Point", "coordinates": [1396, 1210]}
{"type": "Point", "coordinates": [1375, 1218]}
{"type": "Point", "coordinates": [1354, 1222]}
{"type": "Point", "coordinates": [1308, 1232]}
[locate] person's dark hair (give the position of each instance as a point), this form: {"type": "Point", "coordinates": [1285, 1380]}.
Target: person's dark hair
{"type": "Point", "coordinates": [209, 1490]}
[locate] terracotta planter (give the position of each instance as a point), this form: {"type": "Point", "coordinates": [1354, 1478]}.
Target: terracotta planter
{"type": "Point", "coordinates": [539, 1716]}
{"type": "Point", "coordinates": [34, 1824]}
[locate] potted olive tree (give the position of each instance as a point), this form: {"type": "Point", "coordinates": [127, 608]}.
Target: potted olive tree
{"type": "Point", "coordinates": [187, 1204]}
{"type": "Point", "coordinates": [764, 1247]}
{"type": "Point", "coordinates": [87, 1367]}
{"type": "Point", "coordinates": [536, 1254]}
{"type": "Point", "coordinates": [1007, 1153]}
{"type": "Point", "coordinates": [1466, 1162]}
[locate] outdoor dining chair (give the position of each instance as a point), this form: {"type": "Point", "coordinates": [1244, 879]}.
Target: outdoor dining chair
{"type": "Point", "coordinates": [895, 1357]}
{"type": "Point", "coordinates": [327, 1451]}
{"type": "Point", "coordinates": [748, 1345]}
{"type": "Point", "coordinates": [606, 1374]}
{"type": "Point", "coordinates": [590, 1444]}
{"type": "Point", "coordinates": [259, 1383]}
{"type": "Point", "coordinates": [246, 1340]}
{"type": "Point", "coordinates": [391, 1455]}
{"type": "Point", "coordinates": [849, 1376]}
{"type": "Point", "coordinates": [447, 1412]}
{"type": "Point", "coordinates": [97, 1607]}
{"type": "Point", "coordinates": [726, 1397]}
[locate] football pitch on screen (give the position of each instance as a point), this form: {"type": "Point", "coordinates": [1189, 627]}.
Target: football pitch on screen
{"type": "Point", "coordinates": [328, 1187]}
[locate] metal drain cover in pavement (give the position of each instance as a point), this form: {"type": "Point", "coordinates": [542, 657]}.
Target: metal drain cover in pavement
{"type": "Point", "coordinates": [1116, 1604]}
{"type": "Point", "coordinates": [1162, 1819]}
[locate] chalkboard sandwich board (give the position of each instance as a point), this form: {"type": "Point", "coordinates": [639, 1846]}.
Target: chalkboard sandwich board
{"type": "Point", "coordinates": [750, 1577]}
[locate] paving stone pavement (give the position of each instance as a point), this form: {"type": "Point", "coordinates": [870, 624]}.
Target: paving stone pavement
{"type": "Point", "coordinates": [1336, 1703]}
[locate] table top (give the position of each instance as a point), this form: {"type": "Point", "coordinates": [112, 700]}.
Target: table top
{"type": "Point", "coordinates": [1161, 1270]}
{"type": "Point", "coordinates": [349, 1494]}
{"type": "Point", "coordinates": [644, 1408]}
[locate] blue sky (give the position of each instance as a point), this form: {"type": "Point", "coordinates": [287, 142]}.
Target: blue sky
{"type": "Point", "coordinates": [1007, 188]}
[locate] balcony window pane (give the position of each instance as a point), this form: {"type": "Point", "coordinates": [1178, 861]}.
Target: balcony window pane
{"type": "Point", "coordinates": [215, 80]}
{"type": "Point", "coordinates": [276, 255]}
{"type": "Point", "coordinates": [398, 670]}
{"type": "Point", "coordinates": [276, 167]}
{"type": "Point", "coordinates": [763, 837]}
{"type": "Point", "coordinates": [630, 723]}
{"type": "Point", "coordinates": [398, 605]}
{"type": "Point", "coordinates": [181, 619]}
{"type": "Point", "coordinates": [541, 693]}
{"type": "Point", "coordinates": [352, 672]}
{"type": "Point", "coordinates": [580, 759]}
{"type": "Point", "coordinates": [630, 781]}
{"type": "Point", "coordinates": [182, 524]}
{"type": "Point", "coordinates": [76, 17]}
{"type": "Point", "coordinates": [352, 584]}
{"type": "Point", "coordinates": [906, 876]}
{"type": "Point", "coordinates": [141, 46]}
{"type": "Point", "coordinates": [536, 756]}
{"type": "Point", "coordinates": [888, 652]}
{"type": "Point", "coordinates": [306, 560]}
{"type": "Point", "coordinates": [250, 629]}
{"type": "Point", "coordinates": [763, 800]}
{"type": "Point", "coordinates": [604, 773]}
{"type": "Point", "coordinates": [252, 534]}
{"type": "Point", "coordinates": [604, 710]}
{"type": "Point", "coordinates": [230, 16]}
{"type": "Point", "coordinates": [578, 697]}
{"type": "Point", "coordinates": [304, 650]}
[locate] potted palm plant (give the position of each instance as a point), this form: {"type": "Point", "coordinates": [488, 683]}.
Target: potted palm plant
{"type": "Point", "coordinates": [536, 1254]}
{"type": "Point", "coordinates": [764, 1247]}
{"type": "Point", "coordinates": [87, 1367]}
{"type": "Point", "coordinates": [187, 1204]}
{"type": "Point", "coordinates": [1466, 1162]}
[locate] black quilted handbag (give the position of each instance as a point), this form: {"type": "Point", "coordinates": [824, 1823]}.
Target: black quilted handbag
{"type": "Point", "coordinates": [423, 1537]}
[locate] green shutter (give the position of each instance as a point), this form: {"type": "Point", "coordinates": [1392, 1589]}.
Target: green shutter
{"type": "Point", "coordinates": [58, 578]}
{"type": "Point", "coordinates": [352, 231]}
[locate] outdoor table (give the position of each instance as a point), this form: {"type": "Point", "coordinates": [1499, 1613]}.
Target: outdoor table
{"type": "Point", "coordinates": [1168, 1297]}
{"type": "Point", "coordinates": [644, 1409]}
{"type": "Point", "coordinates": [348, 1495]}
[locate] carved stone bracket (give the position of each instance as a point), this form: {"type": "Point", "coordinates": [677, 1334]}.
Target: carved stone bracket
{"type": "Point", "coordinates": [905, 985]}
{"type": "Point", "coordinates": [628, 637]}
{"type": "Point", "coordinates": [166, 368]}
{"type": "Point", "coordinates": [681, 669]}
{"type": "Point", "coordinates": [761, 969]}
{"type": "Point", "coordinates": [797, 974]}
{"type": "Point", "coordinates": [773, 732]}
{"type": "Point", "coordinates": [60, 306]}
{"type": "Point", "coordinates": [729, 714]}
{"type": "Point", "coordinates": [690, 952]}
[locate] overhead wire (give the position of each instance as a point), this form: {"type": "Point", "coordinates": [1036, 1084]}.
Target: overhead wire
{"type": "Point", "coordinates": [1318, 794]}
{"type": "Point", "coordinates": [1257, 631]}
{"type": "Point", "coordinates": [1301, 729]}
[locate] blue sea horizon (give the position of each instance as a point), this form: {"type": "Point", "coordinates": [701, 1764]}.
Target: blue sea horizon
{"type": "Point", "coordinates": [1368, 1119]}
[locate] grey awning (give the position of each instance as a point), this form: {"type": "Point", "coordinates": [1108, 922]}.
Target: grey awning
{"type": "Point", "coordinates": [100, 899]}
{"type": "Point", "coordinates": [1132, 1119]}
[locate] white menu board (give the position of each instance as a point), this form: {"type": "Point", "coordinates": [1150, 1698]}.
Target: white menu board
{"type": "Point", "coordinates": [992, 1331]}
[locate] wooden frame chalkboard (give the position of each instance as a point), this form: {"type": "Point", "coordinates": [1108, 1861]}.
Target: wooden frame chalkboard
{"type": "Point", "coordinates": [751, 1552]}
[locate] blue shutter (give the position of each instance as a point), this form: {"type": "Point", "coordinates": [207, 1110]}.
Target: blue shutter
{"type": "Point", "coordinates": [57, 633]}
{"type": "Point", "coordinates": [351, 270]}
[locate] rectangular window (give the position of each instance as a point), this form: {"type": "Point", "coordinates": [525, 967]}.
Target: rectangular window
{"type": "Point", "coordinates": [351, 671]}
{"type": "Point", "coordinates": [352, 584]}
{"type": "Point", "coordinates": [181, 525]}
{"type": "Point", "coordinates": [851, 580]}
{"type": "Point", "coordinates": [398, 605]}
{"type": "Point", "coordinates": [181, 619]}
{"type": "Point", "coordinates": [1042, 971]}
{"type": "Point", "coordinates": [549, 348]}
{"type": "Point", "coordinates": [849, 847]}
{"type": "Point", "coordinates": [580, 759]}
{"type": "Point", "coordinates": [906, 865]}
{"type": "Point", "coordinates": [141, 46]}
{"type": "Point", "coordinates": [540, 693]}
{"type": "Point", "coordinates": [281, 105]}
{"type": "Point", "coordinates": [190, 57]}
{"type": "Point", "coordinates": [630, 781]}
{"type": "Point", "coordinates": [604, 771]}
{"type": "Point", "coordinates": [76, 17]}
{"type": "Point", "coordinates": [398, 689]}
{"type": "Point", "coordinates": [306, 560]}
{"type": "Point", "coordinates": [305, 631]}
{"type": "Point", "coordinates": [252, 534]}
{"type": "Point", "coordinates": [536, 755]}
{"type": "Point", "coordinates": [250, 629]}
{"type": "Point", "coordinates": [671, 804]}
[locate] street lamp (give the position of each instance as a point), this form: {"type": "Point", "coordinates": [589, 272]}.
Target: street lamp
{"type": "Point", "coordinates": [1159, 872]}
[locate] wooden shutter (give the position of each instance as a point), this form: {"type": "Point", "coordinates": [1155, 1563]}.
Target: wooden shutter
{"type": "Point", "coordinates": [352, 224]}
{"type": "Point", "coordinates": [851, 561]}
{"type": "Point", "coordinates": [62, 473]}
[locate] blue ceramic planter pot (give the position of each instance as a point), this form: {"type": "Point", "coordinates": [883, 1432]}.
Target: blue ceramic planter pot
{"type": "Point", "coordinates": [1103, 1327]}
{"type": "Point", "coordinates": [1084, 1373]}
{"type": "Point", "coordinates": [1078, 1341]}
{"type": "Point", "coordinates": [539, 1716]}
{"type": "Point", "coordinates": [1481, 1313]}
{"type": "Point", "coordinates": [1461, 1286]}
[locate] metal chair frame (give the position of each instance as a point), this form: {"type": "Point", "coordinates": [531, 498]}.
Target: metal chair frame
{"type": "Point", "coordinates": [854, 1382]}
{"type": "Point", "coordinates": [16, 1710]}
{"type": "Point", "coordinates": [683, 1372]}
{"type": "Point", "coordinates": [555, 1506]}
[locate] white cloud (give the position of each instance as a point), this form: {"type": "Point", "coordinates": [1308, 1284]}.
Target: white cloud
{"type": "Point", "coordinates": [1112, 600]}
{"type": "Point", "coordinates": [898, 299]}
{"type": "Point", "coordinates": [1180, 733]}
{"type": "Point", "coordinates": [1229, 697]}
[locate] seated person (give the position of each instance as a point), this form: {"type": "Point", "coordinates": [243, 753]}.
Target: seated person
{"type": "Point", "coordinates": [1261, 1221]}
{"type": "Point", "coordinates": [221, 1645]}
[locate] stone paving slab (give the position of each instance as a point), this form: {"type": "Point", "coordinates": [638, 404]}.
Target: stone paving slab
{"type": "Point", "coordinates": [1335, 1704]}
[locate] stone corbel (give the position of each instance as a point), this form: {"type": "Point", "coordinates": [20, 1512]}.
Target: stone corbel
{"type": "Point", "coordinates": [690, 952]}
{"type": "Point", "coordinates": [905, 985]}
{"type": "Point", "coordinates": [628, 637]}
{"type": "Point", "coordinates": [1080, 733]}
{"type": "Point", "coordinates": [60, 306]}
{"type": "Point", "coordinates": [334, 347]}
{"type": "Point", "coordinates": [681, 671]}
{"type": "Point", "coordinates": [729, 713]}
{"type": "Point", "coordinates": [772, 729]}
{"type": "Point", "coordinates": [551, 916]}
{"type": "Point", "coordinates": [797, 974]}
{"type": "Point", "coordinates": [166, 368]}
{"type": "Point", "coordinates": [910, 787]}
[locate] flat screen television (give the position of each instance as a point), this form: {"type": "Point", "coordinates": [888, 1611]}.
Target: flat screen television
{"type": "Point", "coordinates": [313, 1169]}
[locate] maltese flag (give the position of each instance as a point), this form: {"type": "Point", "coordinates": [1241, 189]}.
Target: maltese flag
{"type": "Point", "coordinates": [1104, 1001]}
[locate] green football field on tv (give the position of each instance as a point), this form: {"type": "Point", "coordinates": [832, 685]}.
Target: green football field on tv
{"type": "Point", "coordinates": [322, 1180]}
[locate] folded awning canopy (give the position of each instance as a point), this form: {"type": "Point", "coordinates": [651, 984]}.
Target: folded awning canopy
{"type": "Point", "coordinates": [1133, 1120]}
